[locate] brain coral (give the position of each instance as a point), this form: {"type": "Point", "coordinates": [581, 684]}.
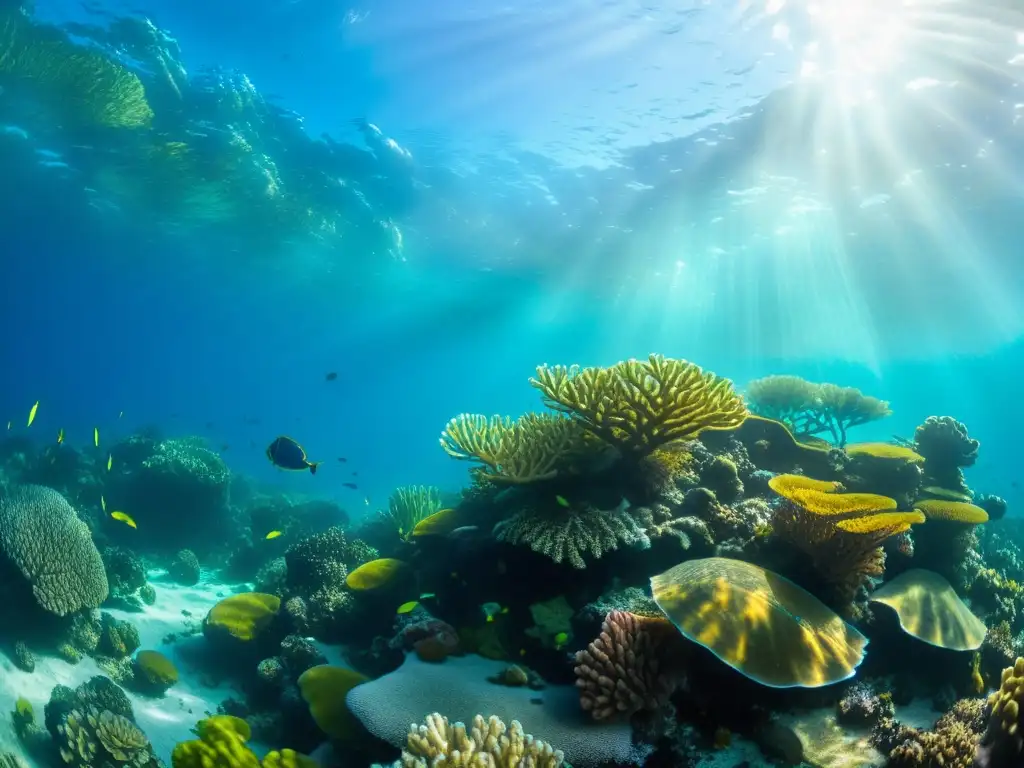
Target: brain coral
{"type": "Point", "coordinates": [460, 690]}
{"type": "Point", "coordinates": [41, 534]}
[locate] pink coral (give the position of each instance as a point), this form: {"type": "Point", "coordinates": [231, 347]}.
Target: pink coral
{"type": "Point", "coordinates": [626, 669]}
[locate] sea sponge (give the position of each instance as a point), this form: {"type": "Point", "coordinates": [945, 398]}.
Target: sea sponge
{"type": "Point", "coordinates": [43, 537]}
{"type": "Point", "coordinates": [243, 616]}
{"type": "Point", "coordinates": [532, 448]}
{"type": "Point", "coordinates": [410, 505]}
{"type": "Point", "coordinates": [376, 574]}
{"type": "Point", "coordinates": [154, 672]}
{"type": "Point", "coordinates": [642, 406]}
{"type": "Point", "coordinates": [460, 687]}
{"type": "Point", "coordinates": [930, 610]}
{"type": "Point", "coordinates": [439, 744]}
{"type": "Point", "coordinates": [569, 534]}
{"type": "Point", "coordinates": [324, 689]}
{"type": "Point", "coordinates": [759, 623]}
{"type": "Point", "coordinates": [628, 667]}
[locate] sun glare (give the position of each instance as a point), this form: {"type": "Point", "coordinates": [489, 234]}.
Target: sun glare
{"type": "Point", "coordinates": [863, 37]}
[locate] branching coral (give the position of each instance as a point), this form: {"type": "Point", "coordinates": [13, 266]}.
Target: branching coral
{"type": "Point", "coordinates": [808, 408]}
{"type": "Point", "coordinates": [532, 448]}
{"type": "Point", "coordinates": [488, 744]}
{"type": "Point", "coordinates": [1003, 743]}
{"type": "Point", "coordinates": [841, 532]}
{"type": "Point", "coordinates": [624, 669]}
{"type": "Point", "coordinates": [409, 505]}
{"type": "Point", "coordinates": [43, 537]}
{"type": "Point", "coordinates": [642, 406]}
{"type": "Point", "coordinates": [572, 533]}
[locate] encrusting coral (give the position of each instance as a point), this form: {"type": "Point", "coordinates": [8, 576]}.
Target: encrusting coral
{"type": "Point", "coordinates": [640, 406]}
{"type": "Point", "coordinates": [488, 744]}
{"type": "Point", "coordinates": [626, 669]}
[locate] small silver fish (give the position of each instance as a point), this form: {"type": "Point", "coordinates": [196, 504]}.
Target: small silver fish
{"type": "Point", "coordinates": [464, 532]}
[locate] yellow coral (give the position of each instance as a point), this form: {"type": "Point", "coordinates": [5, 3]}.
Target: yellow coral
{"type": "Point", "coordinates": [288, 758]}
{"type": "Point", "coordinates": [156, 668]}
{"type": "Point", "coordinates": [641, 406]}
{"type": "Point", "coordinates": [786, 485]}
{"type": "Point", "coordinates": [375, 574]}
{"type": "Point", "coordinates": [953, 511]}
{"type": "Point", "coordinates": [534, 447]}
{"type": "Point", "coordinates": [243, 616]}
{"type": "Point", "coordinates": [889, 523]}
{"type": "Point", "coordinates": [441, 523]}
{"type": "Point", "coordinates": [836, 504]}
{"type": "Point", "coordinates": [885, 451]}
{"type": "Point", "coordinates": [324, 689]}
{"type": "Point", "coordinates": [221, 744]}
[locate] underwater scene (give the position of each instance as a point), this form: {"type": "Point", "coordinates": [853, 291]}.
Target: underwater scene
{"type": "Point", "coordinates": [511, 384]}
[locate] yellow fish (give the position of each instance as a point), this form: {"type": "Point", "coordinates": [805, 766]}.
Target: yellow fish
{"type": "Point", "coordinates": [96, 436]}
{"type": "Point", "coordinates": [60, 437]}
{"type": "Point", "coordinates": [561, 639]}
{"type": "Point", "coordinates": [124, 518]}
{"type": "Point", "coordinates": [32, 414]}
{"type": "Point", "coordinates": [110, 461]}
{"type": "Point", "coordinates": [103, 503]}
{"type": "Point", "coordinates": [407, 607]}
{"type": "Point", "coordinates": [272, 535]}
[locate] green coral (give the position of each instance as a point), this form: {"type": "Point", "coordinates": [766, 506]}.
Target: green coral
{"type": "Point", "coordinates": [86, 85]}
{"type": "Point", "coordinates": [533, 448]}
{"type": "Point", "coordinates": [569, 534]}
{"type": "Point", "coordinates": [24, 659]}
{"type": "Point", "coordinates": [43, 537]}
{"type": "Point", "coordinates": [147, 593]}
{"type": "Point", "coordinates": [117, 638]}
{"type": "Point", "coordinates": [408, 505]}
{"type": "Point", "coordinates": [184, 569]}
{"type": "Point", "coordinates": [640, 406]}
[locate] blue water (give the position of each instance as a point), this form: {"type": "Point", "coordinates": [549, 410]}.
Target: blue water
{"type": "Point", "coordinates": [589, 182]}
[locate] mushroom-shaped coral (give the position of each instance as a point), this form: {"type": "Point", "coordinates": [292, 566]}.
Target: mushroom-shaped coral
{"type": "Point", "coordinates": [759, 623]}
{"type": "Point", "coordinates": [952, 511]}
{"type": "Point", "coordinates": [243, 616]}
{"type": "Point", "coordinates": [628, 667]}
{"type": "Point", "coordinates": [930, 610]}
{"type": "Point", "coordinates": [41, 535]}
{"type": "Point", "coordinates": [639, 406]}
{"type": "Point", "coordinates": [439, 744]}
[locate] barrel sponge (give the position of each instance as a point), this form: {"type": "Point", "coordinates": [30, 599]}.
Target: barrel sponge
{"type": "Point", "coordinates": [459, 690]}
{"type": "Point", "coordinates": [41, 534]}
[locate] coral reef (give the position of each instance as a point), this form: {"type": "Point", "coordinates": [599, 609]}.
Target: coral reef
{"type": "Point", "coordinates": [438, 743]}
{"type": "Point", "coordinates": [947, 449]}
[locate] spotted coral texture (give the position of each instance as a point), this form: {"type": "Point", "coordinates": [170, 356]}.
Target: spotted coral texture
{"type": "Point", "coordinates": [221, 744]}
{"type": "Point", "coordinates": [622, 671]}
{"type": "Point", "coordinates": [640, 406]}
{"type": "Point", "coordinates": [41, 534]}
{"type": "Point", "coordinates": [488, 744]}
{"type": "Point", "coordinates": [1007, 702]}
{"type": "Point", "coordinates": [953, 511]}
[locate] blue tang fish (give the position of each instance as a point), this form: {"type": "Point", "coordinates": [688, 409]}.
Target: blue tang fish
{"type": "Point", "coordinates": [288, 454]}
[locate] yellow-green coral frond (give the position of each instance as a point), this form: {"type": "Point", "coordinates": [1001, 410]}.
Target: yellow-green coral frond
{"type": "Point", "coordinates": [953, 511]}
{"type": "Point", "coordinates": [409, 505]}
{"type": "Point", "coordinates": [639, 406]}
{"type": "Point", "coordinates": [891, 523]}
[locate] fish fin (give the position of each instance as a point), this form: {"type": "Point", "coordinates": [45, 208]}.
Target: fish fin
{"type": "Point", "coordinates": [312, 467]}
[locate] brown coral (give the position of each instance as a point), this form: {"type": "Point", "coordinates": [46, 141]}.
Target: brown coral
{"type": "Point", "coordinates": [624, 670]}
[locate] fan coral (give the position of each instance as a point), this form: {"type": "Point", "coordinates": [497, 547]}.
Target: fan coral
{"type": "Point", "coordinates": [532, 448]}
{"type": "Point", "coordinates": [642, 406]}
{"type": "Point", "coordinates": [572, 533]}
{"type": "Point", "coordinates": [438, 744]}
{"type": "Point", "coordinates": [43, 537]}
{"type": "Point", "coordinates": [408, 506]}
{"type": "Point", "coordinates": [623, 671]}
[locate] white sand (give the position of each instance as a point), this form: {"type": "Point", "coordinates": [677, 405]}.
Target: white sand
{"type": "Point", "coordinates": [165, 720]}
